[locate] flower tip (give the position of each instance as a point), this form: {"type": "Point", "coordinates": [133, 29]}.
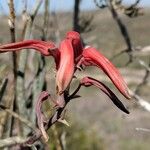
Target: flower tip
{"type": "Point", "coordinates": [73, 35]}
{"type": "Point", "coordinates": [127, 112]}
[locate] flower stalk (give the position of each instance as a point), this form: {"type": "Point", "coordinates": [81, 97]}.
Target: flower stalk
{"type": "Point", "coordinates": [70, 56]}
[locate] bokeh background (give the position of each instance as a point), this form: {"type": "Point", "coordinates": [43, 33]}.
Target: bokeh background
{"type": "Point", "coordinates": [95, 123]}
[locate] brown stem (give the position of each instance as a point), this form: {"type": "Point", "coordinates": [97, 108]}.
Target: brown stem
{"type": "Point", "coordinates": [11, 23]}
{"type": "Point", "coordinates": [76, 26]}
{"type": "Point", "coordinates": [123, 30]}
{"type": "Point", "coordinates": [73, 95]}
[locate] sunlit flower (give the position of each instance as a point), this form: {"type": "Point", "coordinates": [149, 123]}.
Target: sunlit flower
{"type": "Point", "coordinates": [70, 56]}
{"type": "Point", "coordinates": [45, 48]}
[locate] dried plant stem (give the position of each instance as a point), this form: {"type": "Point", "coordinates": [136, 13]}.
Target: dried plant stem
{"type": "Point", "coordinates": [3, 115]}
{"type": "Point", "coordinates": [39, 80]}
{"type": "Point", "coordinates": [11, 22]}
{"type": "Point", "coordinates": [46, 17]}
{"type": "Point", "coordinates": [56, 117]}
{"type": "Point", "coordinates": [8, 142]}
{"type": "Point", "coordinates": [3, 88]}
{"type": "Point", "coordinates": [21, 96]}
{"type": "Point", "coordinates": [38, 84]}
{"type": "Point", "coordinates": [76, 15]}
{"type": "Point", "coordinates": [21, 118]}
{"type": "Point", "coordinates": [143, 103]}
{"type": "Point", "coordinates": [120, 24]}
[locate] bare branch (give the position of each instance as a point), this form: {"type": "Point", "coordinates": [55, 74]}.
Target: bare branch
{"type": "Point", "coordinates": [121, 26]}
{"type": "Point", "coordinates": [3, 88]}
{"type": "Point", "coordinates": [144, 80]}
{"type": "Point", "coordinates": [11, 23]}
{"type": "Point", "coordinates": [21, 118]}
{"type": "Point", "coordinates": [143, 103]}
{"type": "Point", "coordinates": [76, 15]}
{"type": "Point", "coordinates": [21, 96]}
{"type": "Point", "coordinates": [8, 142]}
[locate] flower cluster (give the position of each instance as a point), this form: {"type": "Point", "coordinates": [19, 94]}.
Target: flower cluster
{"type": "Point", "coordinates": [70, 56]}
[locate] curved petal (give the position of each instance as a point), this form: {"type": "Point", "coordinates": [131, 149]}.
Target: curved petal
{"type": "Point", "coordinates": [66, 66]}
{"type": "Point", "coordinates": [46, 48]}
{"type": "Point", "coordinates": [94, 57]}
{"type": "Point", "coordinates": [88, 81]}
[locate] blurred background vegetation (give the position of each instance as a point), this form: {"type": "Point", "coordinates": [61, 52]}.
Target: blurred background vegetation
{"type": "Point", "coordinates": [95, 124]}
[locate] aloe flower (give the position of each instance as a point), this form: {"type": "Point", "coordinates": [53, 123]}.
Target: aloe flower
{"type": "Point", "coordinates": [70, 56]}
{"type": "Point", "coordinates": [92, 57]}
{"type": "Point", "coordinates": [89, 56]}
{"type": "Point", "coordinates": [45, 48]}
{"type": "Point", "coordinates": [88, 81]}
{"type": "Point", "coordinates": [66, 66]}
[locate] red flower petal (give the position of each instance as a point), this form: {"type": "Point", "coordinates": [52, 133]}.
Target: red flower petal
{"type": "Point", "coordinates": [66, 66]}
{"type": "Point", "coordinates": [88, 81]}
{"type": "Point", "coordinates": [94, 57]}
{"type": "Point", "coordinates": [46, 48]}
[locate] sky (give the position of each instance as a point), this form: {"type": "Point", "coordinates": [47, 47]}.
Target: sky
{"type": "Point", "coordinates": [61, 5]}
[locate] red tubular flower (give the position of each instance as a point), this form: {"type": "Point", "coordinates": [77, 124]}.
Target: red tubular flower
{"type": "Point", "coordinates": [70, 49]}
{"type": "Point", "coordinates": [45, 48]}
{"type": "Point", "coordinates": [66, 66]}
{"type": "Point", "coordinates": [68, 57]}
{"type": "Point", "coordinates": [88, 81]}
{"type": "Point", "coordinates": [93, 57]}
